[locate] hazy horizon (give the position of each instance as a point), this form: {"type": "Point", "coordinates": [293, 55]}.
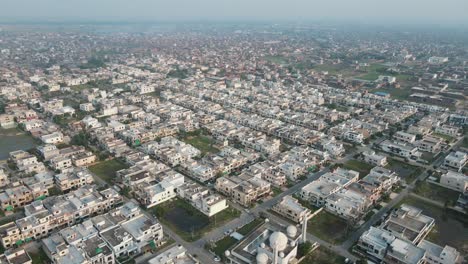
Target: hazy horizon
{"type": "Point", "coordinates": [453, 12]}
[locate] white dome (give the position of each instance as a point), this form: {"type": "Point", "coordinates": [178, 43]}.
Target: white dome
{"type": "Point", "coordinates": [227, 253]}
{"type": "Point", "coordinates": [291, 231]}
{"type": "Point", "coordinates": [262, 245]}
{"type": "Point", "coordinates": [281, 254]}
{"type": "Point", "coordinates": [278, 241]}
{"type": "Point", "coordinates": [262, 258]}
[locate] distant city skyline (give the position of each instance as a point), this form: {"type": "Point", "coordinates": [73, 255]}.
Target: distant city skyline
{"type": "Point", "coordinates": [362, 11]}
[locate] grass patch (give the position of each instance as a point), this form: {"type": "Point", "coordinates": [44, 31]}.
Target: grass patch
{"type": "Point", "coordinates": [359, 166]}
{"type": "Point", "coordinates": [406, 171]}
{"type": "Point", "coordinates": [323, 255]}
{"type": "Point", "coordinates": [189, 223]}
{"type": "Point", "coordinates": [444, 137]}
{"type": "Point", "coordinates": [250, 226]}
{"type": "Point", "coordinates": [465, 142]}
{"type": "Point", "coordinates": [340, 108]}
{"type": "Point", "coordinates": [373, 72]}
{"type": "Point", "coordinates": [277, 59]}
{"type": "Point", "coordinates": [222, 245]}
{"type": "Point", "coordinates": [436, 192]}
{"type": "Point", "coordinates": [201, 142]}
{"type": "Point", "coordinates": [39, 257]}
{"type": "Point", "coordinates": [331, 68]}
{"type": "Point", "coordinates": [276, 191]}
{"type": "Point", "coordinates": [54, 191]}
{"type": "Point", "coordinates": [329, 227]}
{"type": "Point", "coordinates": [106, 170]}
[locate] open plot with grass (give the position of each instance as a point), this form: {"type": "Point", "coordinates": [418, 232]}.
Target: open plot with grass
{"type": "Point", "coordinates": [334, 69]}
{"type": "Point", "coordinates": [223, 244]}
{"type": "Point", "coordinates": [39, 257]}
{"type": "Point", "coordinates": [465, 142]}
{"type": "Point", "coordinates": [451, 227]}
{"type": "Point", "coordinates": [406, 171]}
{"type": "Point", "coordinates": [278, 59]}
{"type": "Point", "coordinates": [373, 72]}
{"type": "Point", "coordinates": [204, 143]}
{"type": "Point", "coordinates": [187, 221]}
{"type": "Point", "coordinates": [444, 137]}
{"type": "Point", "coordinates": [341, 108]}
{"type": "Point", "coordinates": [359, 166]}
{"type": "Point", "coordinates": [323, 255]}
{"type": "Point", "coordinates": [329, 227]}
{"type": "Point", "coordinates": [106, 170]}
{"type": "Point", "coordinates": [436, 192]}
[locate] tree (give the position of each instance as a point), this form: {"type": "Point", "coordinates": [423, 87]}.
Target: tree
{"type": "Point", "coordinates": [304, 248]}
{"type": "Point", "coordinates": [80, 139]}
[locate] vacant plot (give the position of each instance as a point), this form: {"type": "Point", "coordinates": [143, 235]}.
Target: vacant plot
{"type": "Point", "coordinates": [328, 227]}
{"type": "Point", "coordinates": [187, 221]}
{"type": "Point", "coordinates": [278, 59]}
{"type": "Point", "coordinates": [332, 68]}
{"type": "Point", "coordinates": [436, 192]}
{"type": "Point", "coordinates": [202, 142]}
{"type": "Point", "coordinates": [406, 171]}
{"type": "Point", "coordinates": [106, 170]}
{"type": "Point", "coordinates": [39, 257]}
{"type": "Point", "coordinates": [14, 139]}
{"type": "Point", "coordinates": [373, 72]}
{"type": "Point", "coordinates": [359, 166]}
{"type": "Point", "coordinates": [451, 228]}
{"type": "Point", "coordinates": [323, 255]}
{"type": "Point", "coordinates": [444, 137]}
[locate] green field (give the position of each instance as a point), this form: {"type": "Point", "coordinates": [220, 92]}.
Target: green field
{"type": "Point", "coordinates": [444, 137]}
{"type": "Point", "coordinates": [106, 170]}
{"type": "Point", "coordinates": [404, 170]}
{"type": "Point", "coordinates": [331, 68]}
{"type": "Point", "coordinates": [278, 59]}
{"type": "Point", "coordinates": [189, 223]}
{"type": "Point", "coordinates": [436, 192]}
{"type": "Point", "coordinates": [222, 245]}
{"type": "Point", "coordinates": [359, 166]}
{"type": "Point", "coordinates": [329, 227]}
{"type": "Point", "coordinates": [39, 257]}
{"type": "Point", "coordinates": [202, 142]}
{"type": "Point", "coordinates": [373, 72]}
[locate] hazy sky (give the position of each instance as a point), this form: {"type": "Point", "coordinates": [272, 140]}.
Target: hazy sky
{"type": "Point", "coordinates": [420, 11]}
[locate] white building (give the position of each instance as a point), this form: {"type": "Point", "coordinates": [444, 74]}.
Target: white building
{"type": "Point", "coordinates": [405, 137]}
{"type": "Point", "coordinates": [402, 150]}
{"type": "Point", "coordinates": [54, 138]}
{"type": "Point", "coordinates": [456, 161]}
{"type": "Point", "coordinates": [375, 159]}
{"type": "Point", "coordinates": [455, 181]}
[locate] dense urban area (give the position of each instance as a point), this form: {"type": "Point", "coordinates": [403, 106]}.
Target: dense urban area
{"type": "Point", "coordinates": [233, 143]}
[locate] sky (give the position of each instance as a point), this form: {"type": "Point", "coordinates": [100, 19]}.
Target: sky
{"type": "Point", "coordinates": [412, 11]}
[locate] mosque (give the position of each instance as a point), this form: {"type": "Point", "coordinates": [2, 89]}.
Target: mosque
{"type": "Point", "coordinates": [270, 243]}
